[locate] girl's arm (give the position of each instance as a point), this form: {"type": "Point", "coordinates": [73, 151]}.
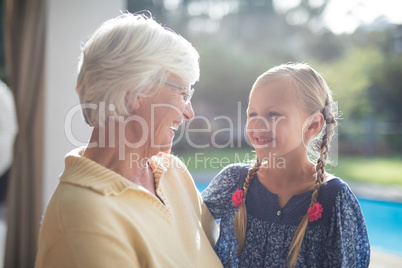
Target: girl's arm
{"type": "Point", "coordinates": [348, 244]}
{"type": "Point", "coordinates": [218, 194]}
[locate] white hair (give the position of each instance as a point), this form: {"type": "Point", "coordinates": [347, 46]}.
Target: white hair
{"type": "Point", "coordinates": [131, 52]}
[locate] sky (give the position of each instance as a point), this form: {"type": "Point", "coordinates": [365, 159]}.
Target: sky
{"type": "Point", "coordinates": [344, 16]}
{"type": "Point", "coordinates": [340, 16]}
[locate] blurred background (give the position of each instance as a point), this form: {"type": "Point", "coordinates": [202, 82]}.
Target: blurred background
{"type": "Point", "coordinates": [356, 45]}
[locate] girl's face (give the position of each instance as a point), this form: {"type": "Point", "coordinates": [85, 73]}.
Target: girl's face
{"type": "Point", "coordinates": [275, 120]}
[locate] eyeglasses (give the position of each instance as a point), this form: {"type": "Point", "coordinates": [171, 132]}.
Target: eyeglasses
{"type": "Point", "coordinates": [186, 92]}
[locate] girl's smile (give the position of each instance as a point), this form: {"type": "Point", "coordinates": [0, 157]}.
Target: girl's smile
{"type": "Point", "coordinates": [275, 119]}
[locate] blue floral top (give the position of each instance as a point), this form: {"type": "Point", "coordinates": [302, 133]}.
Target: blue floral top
{"type": "Point", "coordinates": [338, 239]}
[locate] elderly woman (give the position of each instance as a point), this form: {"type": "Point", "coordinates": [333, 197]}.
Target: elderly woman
{"type": "Point", "coordinates": [123, 201]}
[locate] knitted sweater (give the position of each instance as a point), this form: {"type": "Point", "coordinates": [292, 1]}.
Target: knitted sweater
{"type": "Point", "coordinates": [96, 218]}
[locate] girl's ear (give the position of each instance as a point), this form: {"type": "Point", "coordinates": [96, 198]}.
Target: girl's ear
{"type": "Point", "coordinates": [314, 124]}
{"type": "Point", "coordinates": [133, 101]}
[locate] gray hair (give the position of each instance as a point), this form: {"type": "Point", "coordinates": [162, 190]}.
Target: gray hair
{"type": "Point", "coordinates": [131, 52]}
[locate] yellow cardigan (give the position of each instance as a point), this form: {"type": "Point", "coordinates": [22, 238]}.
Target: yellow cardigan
{"type": "Point", "coordinates": [96, 218]}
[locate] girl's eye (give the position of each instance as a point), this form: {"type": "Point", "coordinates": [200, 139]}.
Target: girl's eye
{"type": "Point", "coordinates": [252, 115]}
{"type": "Point", "coordinates": [273, 114]}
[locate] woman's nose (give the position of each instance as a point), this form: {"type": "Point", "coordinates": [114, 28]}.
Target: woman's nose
{"type": "Point", "coordinates": [188, 111]}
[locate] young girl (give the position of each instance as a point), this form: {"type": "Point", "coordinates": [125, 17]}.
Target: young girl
{"type": "Point", "coordinates": [286, 211]}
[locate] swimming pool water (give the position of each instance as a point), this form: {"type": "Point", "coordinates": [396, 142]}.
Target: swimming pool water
{"type": "Point", "coordinates": [383, 221]}
{"type": "Point", "coordinates": [384, 224]}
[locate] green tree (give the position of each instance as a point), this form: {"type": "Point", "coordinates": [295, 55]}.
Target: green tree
{"type": "Point", "coordinates": [386, 90]}
{"type": "Point", "coordinates": [350, 78]}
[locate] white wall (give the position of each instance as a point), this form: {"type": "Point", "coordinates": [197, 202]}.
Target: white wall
{"type": "Point", "coordinates": [68, 23]}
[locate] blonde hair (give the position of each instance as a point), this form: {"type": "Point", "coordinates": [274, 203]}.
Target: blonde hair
{"type": "Point", "coordinates": [130, 53]}
{"type": "Point", "coordinates": [316, 96]}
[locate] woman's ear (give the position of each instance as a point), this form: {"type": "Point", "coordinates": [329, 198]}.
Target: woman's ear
{"type": "Point", "coordinates": [133, 101]}
{"type": "Point", "coordinates": [314, 124]}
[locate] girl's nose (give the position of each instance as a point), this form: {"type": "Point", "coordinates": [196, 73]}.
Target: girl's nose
{"type": "Point", "coordinates": [259, 124]}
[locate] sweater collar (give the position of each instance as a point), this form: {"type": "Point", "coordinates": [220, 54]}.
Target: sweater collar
{"type": "Point", "coordinates": [86, 173]}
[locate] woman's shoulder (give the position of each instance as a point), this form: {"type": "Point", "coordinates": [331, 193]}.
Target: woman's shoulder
{"type": "Point", "coordinates": [166, 161]}
{"type": "Point", "coordinates": [73, 207]}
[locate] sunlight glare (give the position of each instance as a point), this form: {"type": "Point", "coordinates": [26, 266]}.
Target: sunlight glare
{"type": "Point", "coordinates": [171, 4]}
{"type": "Point", "coordinates": [283, 5]}
{"type": "Point", "coordinates": [344, 16]}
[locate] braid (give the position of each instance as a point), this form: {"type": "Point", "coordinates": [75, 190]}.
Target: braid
{"type": "Point", "coordinates": [320, 169]}
{"type": "Point", "coordinates": [324, 148]}
{"type": "Point", "coordinates": [251, 173]}
{"type": "Point", "coordinates": [240, 221]}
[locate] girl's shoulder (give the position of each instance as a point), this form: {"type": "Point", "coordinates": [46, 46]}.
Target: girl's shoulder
{"type": "Point", "coordinates": [228, 179]}
{"type": "Point", "coordinates": [334, 183]}
{"type": "Point", "coordinates": [237, 168]}
{"type": "Point", "coordinates": [333, 188]}
{"type": "Point", "coordinates": [233, 174]}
